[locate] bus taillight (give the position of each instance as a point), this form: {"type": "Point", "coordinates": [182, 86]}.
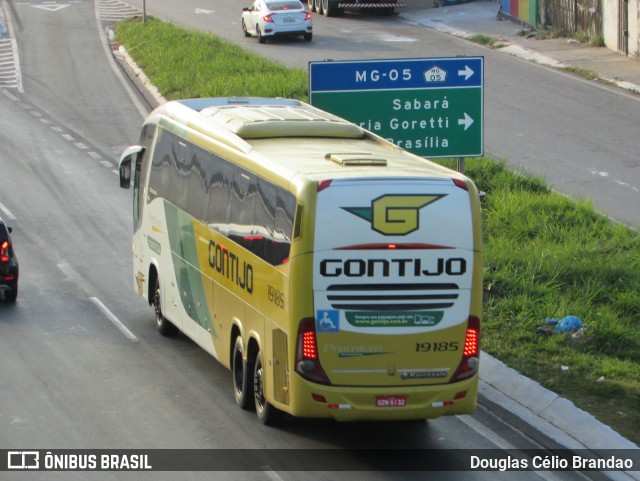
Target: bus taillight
{"type": "Point", "coordinates": [471, 351]}
{"type": "Point", "coordinates": [307, 360]}
{"type": "Point", "coordinates": [323, 184]}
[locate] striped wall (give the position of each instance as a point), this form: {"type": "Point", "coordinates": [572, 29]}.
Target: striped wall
{"type": "Point", "coordinates": [522, 10]}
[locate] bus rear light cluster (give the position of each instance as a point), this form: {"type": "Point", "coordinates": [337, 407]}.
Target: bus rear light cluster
{"type": "Point", "coordinates": [461, 183]}
{"type": "Point", "coordinates": [323, 184]}
{"type": "Point", "coordinates": [307, 359]}
{"type": "Point", "coordinates": [469, 364]}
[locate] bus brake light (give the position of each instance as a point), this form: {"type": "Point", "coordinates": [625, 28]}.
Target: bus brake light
{"type": "Point", "coordinates": [471, 342]}
{"type": "Point", "coordinates": [307, 359]}
{"type": "Point", "coordinates": [471, 351]}
{"type": "Point", "coordinates": [309, 349]}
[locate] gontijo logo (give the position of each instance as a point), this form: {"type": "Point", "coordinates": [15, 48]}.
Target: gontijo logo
{"type": "Point", "coordinates": [395, 214]}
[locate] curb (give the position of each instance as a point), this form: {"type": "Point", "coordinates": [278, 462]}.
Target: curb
{"type": "Point", "coordinates": [149, 91]}
{"type": "Point", "coordinates": [551, 415]}
{"type": "Point", "coordinates": [583, 429]}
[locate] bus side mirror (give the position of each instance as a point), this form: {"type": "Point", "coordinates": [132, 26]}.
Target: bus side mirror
{"type": "Point", "coordinates": [125, 173]}
{"type": "Point", "coordinates": [125, 164]}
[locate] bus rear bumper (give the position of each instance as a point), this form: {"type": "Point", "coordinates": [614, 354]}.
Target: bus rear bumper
{"type": "Point", "coordinates": [383, 403]}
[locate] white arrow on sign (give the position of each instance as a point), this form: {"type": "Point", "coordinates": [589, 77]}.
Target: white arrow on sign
{"type": "Point", "coordinates": [467, 72]}
{"type": "Point", "coordinates": [467, 121]}
{"type": "Point", "coordinates": [202, 10]}
{"type": "Point", "coordinates": [52, 7]}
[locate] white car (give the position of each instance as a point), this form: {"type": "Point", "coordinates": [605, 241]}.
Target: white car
{"type": "Point", "coordinates": [269, 18]}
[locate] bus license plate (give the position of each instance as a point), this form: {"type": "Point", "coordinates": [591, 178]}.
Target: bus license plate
{"type": "Point", "coordinates": [391, 401]}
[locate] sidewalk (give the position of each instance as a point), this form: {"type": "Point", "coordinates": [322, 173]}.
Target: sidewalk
{"type": "Point", "coordinates": [481, 17]}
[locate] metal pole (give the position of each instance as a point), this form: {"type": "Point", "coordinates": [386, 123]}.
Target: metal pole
{"type": "Point", "coordinates": [144, 11]}
{"type": "Point", "coordinates": [461, 165]}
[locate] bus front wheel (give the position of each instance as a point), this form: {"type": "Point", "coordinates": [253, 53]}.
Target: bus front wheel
{"type": "Point", "coordinates": [241, 369]}
{"type": "Point", "coordinates": [163, 324]}
{"type": "Point", "coordinates": [267, 414]}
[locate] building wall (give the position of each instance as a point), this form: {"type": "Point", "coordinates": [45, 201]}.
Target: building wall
{"type": "Point", "coordinates": [611, 26]}
{"type": "Point", "coordinates": [610, 23]}
{"type": "Point", "coordinates": [634, 28]}
{"type": "Point", "coordinates": [524, 11]}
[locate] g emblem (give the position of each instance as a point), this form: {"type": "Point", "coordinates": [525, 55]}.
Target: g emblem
{"type": "Point", "coordinates": [394, 214]}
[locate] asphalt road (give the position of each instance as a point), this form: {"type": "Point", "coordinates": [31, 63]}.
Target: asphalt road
{"type": "Point", "coordinates": [82, 364]}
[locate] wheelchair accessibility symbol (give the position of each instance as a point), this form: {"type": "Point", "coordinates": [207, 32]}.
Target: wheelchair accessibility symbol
{"type": "Point", "coordinates": [328, 320]}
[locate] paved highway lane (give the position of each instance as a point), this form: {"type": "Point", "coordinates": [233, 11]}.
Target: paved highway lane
{"type": "Point", "coordinates": [58, 45]}
{"type": "Point", "coordinates": [581, 136]}
{"type": "Point", "coordinates": [70, 377]}
{"type": "Point", "coordinates": [82, 364]}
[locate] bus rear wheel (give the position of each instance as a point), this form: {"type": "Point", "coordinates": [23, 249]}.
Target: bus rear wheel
{"type": "Point", "coordinates": [241, 370]}
{"type": "Point", "coordinates": [164, 325]}
{"type": "Point", "coordinates": [267, 414]}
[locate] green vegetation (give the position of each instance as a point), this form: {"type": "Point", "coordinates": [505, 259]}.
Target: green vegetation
{"type": "Point", "coordinates": [483, 40]}
{"type": "Point", "coordinates": [550, 32]}
{"type": "Point", "coordinates": [588, 74]}
{"type": "Point", "coordinates": [184, 64]}
{"type": "Point", "coordinates": [546, 256]}
{"type": "Point", "coordinates": [546, 33]}
{"type": "Point", "coordinates": [486, 40]}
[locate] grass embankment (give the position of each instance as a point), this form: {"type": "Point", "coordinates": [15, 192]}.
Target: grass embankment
{"type": "Point", "coordinates": [545, 255]}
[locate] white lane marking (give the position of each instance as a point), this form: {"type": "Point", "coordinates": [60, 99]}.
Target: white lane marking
{"type": "Point", "coordinates": [627, 185]}
{"type": "Point", "coordinates": [7, 213]}
{"type": "Point", "coordinates": [51, 6]}
{"type": "Point", "coordinates": [500, 442]}
{"type": "Point", "coordinates": [599, 173]}
{"type": "Point", "coordinates": [10, 75]}
{"type": "Point", "coordinates": [9, 95]}
{"type": "Point", "coordinates": [272, 475]}
{"type": "Point", "coordinates": [115, 321]}
{"type": "Point", "coordinates": [486, 433]}
{"type": "Point", "coordinates": [114, 10]}
{"type": "Point", "coordinates": [71, 274]}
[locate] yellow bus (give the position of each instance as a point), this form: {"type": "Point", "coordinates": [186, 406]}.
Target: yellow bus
{"type": "Point", "coordinates": [335, 274]}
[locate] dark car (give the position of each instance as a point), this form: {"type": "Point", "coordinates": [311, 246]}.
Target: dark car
{"type": "Point", "coordinates": [8, 265]}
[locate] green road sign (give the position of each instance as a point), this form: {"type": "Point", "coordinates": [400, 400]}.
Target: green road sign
{"type": "Point", "coordinates": [431, 107]}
